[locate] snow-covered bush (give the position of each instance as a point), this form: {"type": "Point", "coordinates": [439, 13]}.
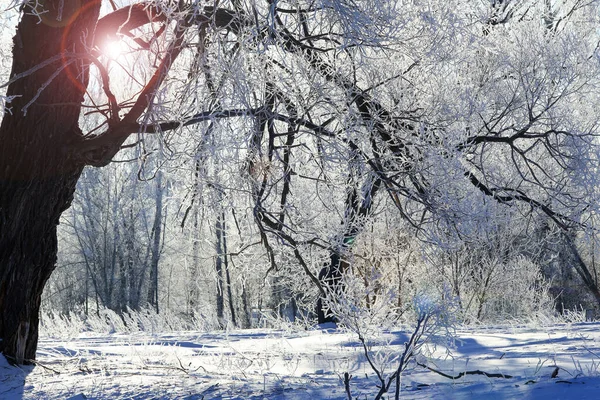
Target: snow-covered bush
{"type": "Point", "coordinates": [494, 269]}
{"type": "Point", "coordinates": [519, 291]}
{"type": "Point", "coordinates": [432, 317]}
{"type": "Point", "coordinates": [106, 321]}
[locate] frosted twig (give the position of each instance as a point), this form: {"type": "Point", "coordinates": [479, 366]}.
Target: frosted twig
{"type": "Point", "coordinates": [32, 70]}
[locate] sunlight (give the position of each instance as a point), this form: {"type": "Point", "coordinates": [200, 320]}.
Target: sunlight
{"type": "Point", "coordinates": [113, 49]}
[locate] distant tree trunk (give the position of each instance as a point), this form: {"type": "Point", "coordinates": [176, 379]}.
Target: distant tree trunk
{"type": "Point", "coordinates": [87, 291]}
{"type": "Point", "coordinates": [227, 275]}
{"type": "Point", "coordinates": [246, 318]}
{"type": "Point", "coordinates": [124, 254]}
{"type": "Point", "coordinates": [156, 243]}
{"type": "Point", "coordinates": [219, 270]}
{"type": "Point", "coordinates": [582, 268]}
{"type": "Point", "coordinates": [38, 172]}
{"type": "Point", "coordinates": [130, 299]}
{"type": "Point", "coordinates": [119, 303]}
{"type": "Point", "coordinates": [193, 270]}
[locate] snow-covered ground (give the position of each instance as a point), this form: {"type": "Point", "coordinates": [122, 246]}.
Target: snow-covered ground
{"type": "Point", "coordinates": [277, 364]}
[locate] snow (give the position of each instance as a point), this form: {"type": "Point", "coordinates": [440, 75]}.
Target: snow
{"type": "Point", "coordinates": [310, 364]}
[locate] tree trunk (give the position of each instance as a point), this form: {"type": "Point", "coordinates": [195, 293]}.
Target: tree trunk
{"type": "Point", "coordinates": [582, 269]}
{"type": "Point", "coordinates": [193, 272]}
{"type": "Point", "coordinates": [357, 210]}
{"type": "Point", "coordinates": [193, 269]}
{"type": "Point", "coordinates": [29, 214]}
{"type": "Point", "coordinates": [331, 277]}
{"type": "Point", "coordinates": [156, 243]}
{"type": "Point", "coordinates": [219, 269]}
{"type": "Point", "coordinates": [38, 164]}
{"type": "Point", "coordinates": [247, 315]}
{"type": "Point", "coordinates": [227, 275]}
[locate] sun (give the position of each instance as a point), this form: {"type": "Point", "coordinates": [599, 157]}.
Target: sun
{"type": "Point", "coordinates": [113, 49]}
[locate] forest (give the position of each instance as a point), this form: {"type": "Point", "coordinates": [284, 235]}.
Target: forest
{"type": "Point", "coordinates": [235, 164]}
{"type": "Point", "coordinates": [452, 149]}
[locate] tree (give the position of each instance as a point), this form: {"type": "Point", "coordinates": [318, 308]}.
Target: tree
{"type": "Point", "coordinates": [39, 161]}
{"type": "Point", "coordinates": [114, 230]}
{"type": "Point", "coordinates": [44, 150]}
{"type": "Point", "coordinates": [445, 110]}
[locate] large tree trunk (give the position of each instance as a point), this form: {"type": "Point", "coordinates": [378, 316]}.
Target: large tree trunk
{"type": "Point", "coordinates": [331, 277]}
{"type": "Point", "coordinates": [358, 208]}
{"type": "Point", "coordinates": [29, 213]}
{"type": "Point", "coordinates": [38, 164]}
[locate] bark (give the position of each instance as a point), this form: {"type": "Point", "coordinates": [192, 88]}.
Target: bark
{"type": "Point", "coordinates": [38, 173]}
{"type": "Point", "coordinates": [331, 277]}
{"type": "Point", "coordinates": [194, 268]}
{"type": "Point", "coordinates": [29, 214]}
{"type": "Point", "coordinates": [156, 243]}
{"type": "Point", "coordinates": [247, 314]}
{"type": "Point", "coordinates": [227, 275]}
{"type": "Point", "coordinates": [219, 270]}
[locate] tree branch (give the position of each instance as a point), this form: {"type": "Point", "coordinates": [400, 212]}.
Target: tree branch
{"type": "Point", "coordinates": [464, 373]}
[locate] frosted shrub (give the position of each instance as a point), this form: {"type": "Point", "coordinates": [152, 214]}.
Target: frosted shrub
{"type": "Point", "coordinates": [106, 321]}
{"type": "Point", "coordinates": [496, 274]}
{"type": "Point", "coordinates": [440, 311]}
{"type": "Point", "coordinates": [54, 324]}
{"type": "Point", "coordinates": [434, 319]}
{"type": "Point", "coordinates": [518, 291]}
{"type": "Point", "coordinates": [354, 312]}
{"type": "Point", "coordinates": [496, 290]}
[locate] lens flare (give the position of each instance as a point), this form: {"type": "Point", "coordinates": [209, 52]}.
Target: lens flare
{"type": "Point", "coordinates": [113, 49]}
